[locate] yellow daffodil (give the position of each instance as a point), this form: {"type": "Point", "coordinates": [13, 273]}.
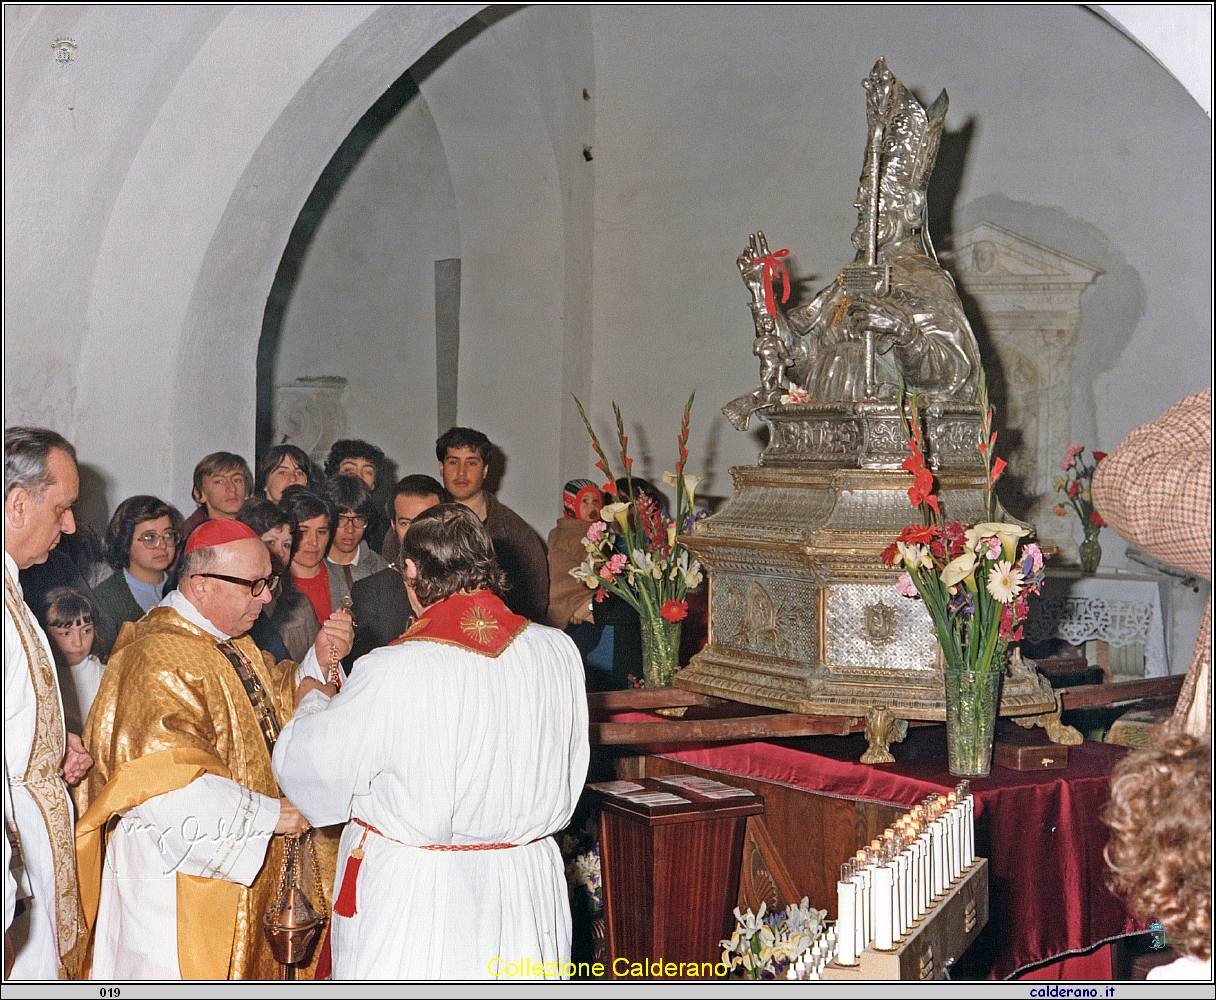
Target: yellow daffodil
{"type": "Point", "coordinates": [957, 570]}
{"type": "Point", "coordinates": [1007, 533]}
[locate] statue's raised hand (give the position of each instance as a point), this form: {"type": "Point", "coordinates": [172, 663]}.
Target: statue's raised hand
{"type": "Point", "coordinates": [751, 266]}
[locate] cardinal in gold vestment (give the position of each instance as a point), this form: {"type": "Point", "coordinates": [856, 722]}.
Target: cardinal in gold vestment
{"type": "Point", "coordinates": [175, 837]}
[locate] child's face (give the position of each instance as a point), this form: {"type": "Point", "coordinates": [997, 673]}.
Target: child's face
{"type": "Point", "coordinates": [72, 643]}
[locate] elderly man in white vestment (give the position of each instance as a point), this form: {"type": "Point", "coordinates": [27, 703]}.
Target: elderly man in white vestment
{"type": "Point", "coordinates": [456, 752]}
{"type": "Point", "coordinates": [40, 487]}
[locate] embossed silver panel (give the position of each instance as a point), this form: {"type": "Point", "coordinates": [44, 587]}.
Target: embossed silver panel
{"type": "Point", "coordinates": [852, 646]}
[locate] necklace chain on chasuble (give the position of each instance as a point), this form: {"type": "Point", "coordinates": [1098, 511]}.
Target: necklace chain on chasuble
{"type": "Point", "coordinates": [259, 700]}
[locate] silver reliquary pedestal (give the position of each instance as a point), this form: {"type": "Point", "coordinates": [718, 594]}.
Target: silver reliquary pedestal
{"type": "Point", "coordinates": [804, 615]}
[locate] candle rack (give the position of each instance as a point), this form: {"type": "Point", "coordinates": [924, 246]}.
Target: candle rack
{"type": "Point", "coordinates": [912, 901]}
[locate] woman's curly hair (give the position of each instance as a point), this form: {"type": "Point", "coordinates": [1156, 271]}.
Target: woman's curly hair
{"type": "Point", "coordinates": [1160, 817]}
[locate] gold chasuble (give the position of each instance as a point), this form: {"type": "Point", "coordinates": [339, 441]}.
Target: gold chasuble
{"type": "Point", "coordinates": [172, 707]}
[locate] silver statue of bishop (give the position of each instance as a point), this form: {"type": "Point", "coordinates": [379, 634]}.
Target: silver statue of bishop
{"type": "Point", "coordinates": [894, 312]}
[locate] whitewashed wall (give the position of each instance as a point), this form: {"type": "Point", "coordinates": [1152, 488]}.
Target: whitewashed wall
{"type": "Point", "coordinates": [151, 187]}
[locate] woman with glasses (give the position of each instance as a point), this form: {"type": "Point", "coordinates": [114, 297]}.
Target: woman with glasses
{"type": "Point", "coordinates": [350, 558]}
{"type": "Point", "coordinates": [141, 545]}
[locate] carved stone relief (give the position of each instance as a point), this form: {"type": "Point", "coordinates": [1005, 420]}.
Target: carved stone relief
{"type": "Point", "coordinates": [1030, 299]}
{"type": "Point", "coordinates": [310, 414]}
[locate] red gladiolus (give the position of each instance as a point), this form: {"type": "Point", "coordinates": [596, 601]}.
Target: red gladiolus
{"type": "Point", "coordinates": [913, 463]}
{"type": "Point", "coordinates": [1073, 489]}
{"type": "Point", "coordinates": [921, 491]}
{"type": "Point", "coordinates": [674, 611]}
{"type": "Point", "coordinates": [1099, 455]}
{"type": "Point", "coordinates": [1097, 519]}
{"type": "Point", "coordinates": [998, 466]}
{"type": "Point", "coordinates": [609, 487]}
{"type": "Point", "coordinates": [888, 554]}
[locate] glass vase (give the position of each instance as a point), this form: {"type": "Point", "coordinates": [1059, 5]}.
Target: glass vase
{"type": "Point", "coordinates": [1090, 551]}
{"type": "Point", "coordinates": [660, 650]}
{"type": "Point", "coordinates": [971, 703]}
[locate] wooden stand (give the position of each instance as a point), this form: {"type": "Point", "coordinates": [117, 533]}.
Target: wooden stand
{"type": "Point", "coordinates": [671, 876]}
{"type": "Point", "coordinates": [943, 934]}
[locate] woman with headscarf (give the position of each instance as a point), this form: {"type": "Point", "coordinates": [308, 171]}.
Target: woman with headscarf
{"type": "Point", "coordinates": [570, 602]}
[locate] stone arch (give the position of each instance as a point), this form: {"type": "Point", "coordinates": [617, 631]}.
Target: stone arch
{"type": "Point", "coordinates": [187, 298]}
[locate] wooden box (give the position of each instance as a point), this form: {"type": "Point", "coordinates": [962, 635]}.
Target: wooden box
{"type": "Point", "coordinates": [1028, 750]}
{"type": "Point", "coordinates": [670, 873]}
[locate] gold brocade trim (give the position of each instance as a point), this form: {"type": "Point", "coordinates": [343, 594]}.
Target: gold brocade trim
{"type": "Point", "coordinates": [44, 785]}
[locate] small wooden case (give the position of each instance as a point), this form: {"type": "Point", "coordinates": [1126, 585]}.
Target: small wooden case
{"type": "Point", "coordinates": [1028, 750]}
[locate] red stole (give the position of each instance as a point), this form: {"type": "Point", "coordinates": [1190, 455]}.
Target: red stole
{"type": "Point", "coordinates": [478, 622]}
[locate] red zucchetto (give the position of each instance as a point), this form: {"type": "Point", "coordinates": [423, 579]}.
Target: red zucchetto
{"type": "Point", "coordinates": [217, 531]}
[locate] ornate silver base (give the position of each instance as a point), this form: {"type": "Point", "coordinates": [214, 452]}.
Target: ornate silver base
{"type": "Point", "coordinates": [804, 616]}
{"type": "Point", "coordinates": [867, 435]}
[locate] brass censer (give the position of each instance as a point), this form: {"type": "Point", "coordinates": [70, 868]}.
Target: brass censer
{"type": "Point", "coordinates": [292, 925]}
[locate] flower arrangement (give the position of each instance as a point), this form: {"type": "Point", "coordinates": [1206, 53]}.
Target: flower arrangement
{"type": "Point", "coordinates": [1075, 485]}
{"type": "Point", "coordinates": [583, 877]}
{"type": "Point", "coordinates": [765, 947]}
{"type": "Point", "coordinates": [632, 550]}
{"type": "Point", "coordinates": [976, 585]}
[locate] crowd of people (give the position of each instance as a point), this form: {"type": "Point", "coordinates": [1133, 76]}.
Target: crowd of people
{"type": "Point", "coordinates": [190, 701]}
{"type": "Point", "coordinates": [301, 668]}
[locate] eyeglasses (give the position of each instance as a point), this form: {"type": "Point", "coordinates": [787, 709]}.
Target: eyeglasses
{"type": "Point", "coordinates": [358, 520]}
{"type": "Point", "coordinates": [255, 586]}
{"type": "Point", "coordinates": [152, 540]}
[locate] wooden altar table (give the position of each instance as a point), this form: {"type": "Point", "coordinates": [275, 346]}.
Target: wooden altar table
{"type": "Point", "coordinates": [1041, 831]}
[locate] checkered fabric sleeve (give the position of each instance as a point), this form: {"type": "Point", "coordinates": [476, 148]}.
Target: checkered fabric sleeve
{"type": "Point", "coordinates": [1155, 490]}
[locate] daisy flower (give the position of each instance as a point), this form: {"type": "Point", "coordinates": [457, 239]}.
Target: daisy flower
{"type": "Point", "coordinates": [1004, 582]}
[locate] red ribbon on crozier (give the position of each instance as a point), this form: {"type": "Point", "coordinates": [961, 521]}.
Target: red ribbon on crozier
{"type": "Point", "coordinates": [772, 264]}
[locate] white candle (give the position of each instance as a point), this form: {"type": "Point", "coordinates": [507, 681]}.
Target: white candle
{"type": "Point", "coordinates": [937, 836]}
{"type": "Point", "coordinates": [958, 841]}
{"type": "Point", "coordinates": [901, 893]}
{"type": "Point", "coordinates": [882, 907]}
{"type": "Point", "coordinates": [846, 923]}
{"type": "Point", "coordinates": [948, 847]}
{"type": "Point", "coordinates": [926, 873]}
{"type": "Point", "coordinates": [865, 908]}
{"type": "Point", "coordinates": [971, 829]}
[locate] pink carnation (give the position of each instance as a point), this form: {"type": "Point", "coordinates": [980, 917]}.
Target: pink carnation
{"type": "Point", "coordinates": [904, 585]}
{"type": "Point", "coordinates": [1036, 556]}
{"type": "Point", "coordinates": [617, 563]}
{"type": "Point", "coordinates": [596, 531]}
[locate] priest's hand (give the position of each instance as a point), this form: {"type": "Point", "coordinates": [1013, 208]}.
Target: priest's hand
{"type": "Point", "coordinates": [312, 684]}
{"type": "Point", "coordinates": [291, 822]}
{"type": "Point", "coordinates": [337, 634]}
{"type": "Point", "coordinates": [76, 761]}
